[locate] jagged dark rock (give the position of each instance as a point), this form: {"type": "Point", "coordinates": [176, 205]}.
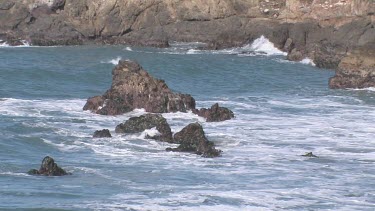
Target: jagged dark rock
{"type": "Point", "coordinates": [147, 121]}
{"type": "Point", "coordinates": [215, 113]}
{"type": "Point", "coordinates": [192, 139]}
{"type": "Point", "coordinates": [102, 134]}
{"type": "Point", "coordinates": [310, 155]}
{"type": "Point", "coordinates": [48, 168]}
{"type": "Point", "coordinates": [132, 87]}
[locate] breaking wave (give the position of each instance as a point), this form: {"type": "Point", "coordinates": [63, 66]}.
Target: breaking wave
{"type": "Point", "coordinates": [112, 61]}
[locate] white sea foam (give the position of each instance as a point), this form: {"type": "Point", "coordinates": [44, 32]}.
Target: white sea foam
{"type": "Point", "coordinates": [263, 45]}
{"type": "Point", "coordinates": [369, 89]}
{"type": "Point", "coordinates": [307, 61]}
{"type": "Point", "coordinates": [150, 132]}
{"type": "Point", "coordinates": [260, 46]}
{"type": "Point", "coordinates": [112, 61]}
{"type": "Point", "coordinates": [128, 49]}
{"type": "Point", "coordinates": [13, 174]}
{"type": "Point", "coordinates": [6, 45]}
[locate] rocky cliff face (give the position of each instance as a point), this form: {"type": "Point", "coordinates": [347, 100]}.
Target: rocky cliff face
{"type": "Point", "coordinates": [324, 30]}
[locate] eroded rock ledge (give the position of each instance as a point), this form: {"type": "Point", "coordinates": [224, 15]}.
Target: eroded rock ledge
{"type": "Point", "coordinates": [132, 87]}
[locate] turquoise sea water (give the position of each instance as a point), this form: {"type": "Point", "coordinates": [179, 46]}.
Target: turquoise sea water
{"type": "Point", "coordinates": [283, 110]}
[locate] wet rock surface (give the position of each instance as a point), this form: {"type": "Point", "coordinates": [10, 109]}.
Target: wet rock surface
{"type": "Point", "coordinates": [147, 121]}
{"type": "Point", "coordinates": [132, 87]}
{"type": "Point", "coordinates": [102, 134]}
{"type": "Point", "coordinates": [48, 168]}
{"type": "Point", "coordinates": [215, 113]}
{"type": "Point", "coordinates": [192, 139]}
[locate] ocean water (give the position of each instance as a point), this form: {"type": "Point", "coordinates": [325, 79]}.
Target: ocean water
{"type": "Point", "coordinates": [283, 110]}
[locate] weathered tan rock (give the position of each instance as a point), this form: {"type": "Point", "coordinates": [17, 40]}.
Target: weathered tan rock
{"type": "Point", "coordinates": [132, 87]}
{"type": "Point", "coordinates": [356, 70]}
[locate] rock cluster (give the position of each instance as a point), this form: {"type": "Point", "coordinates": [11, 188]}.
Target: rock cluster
{"type": "Point", "coordinates": [191, 138]}
{"type": "Point", "coordinates": [48, 168]}
{"type": "Point", "coordinates": [132, 87]}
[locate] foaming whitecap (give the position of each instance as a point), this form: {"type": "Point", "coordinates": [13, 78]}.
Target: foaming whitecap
{"type": "Point", "coordinates": [112, 61]}
{"type": "Point", "coordinates": [307, 61]}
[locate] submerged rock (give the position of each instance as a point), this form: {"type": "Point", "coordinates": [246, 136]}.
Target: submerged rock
{"type": "Point", "coordinates": [132, 87]}
{"type": "Point", "coordinates": [102, 134]}
{"type": "Point", "coordinates": [48, 168]}
{"type": "Point", "coordinates": [309, 154]}
{"type": "Point", "coordinates": [147, 121]}
{"type": "Point", "coordinates": [215, 113]}
{"type": "Point", "coordinates": [192, 139]}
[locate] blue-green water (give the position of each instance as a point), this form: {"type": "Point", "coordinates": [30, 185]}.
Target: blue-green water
{"type": "Point", "coordinates": [282, 109]}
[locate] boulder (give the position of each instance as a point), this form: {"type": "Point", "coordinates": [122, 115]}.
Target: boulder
{"type": "Point", "coordinates": [215, 113]}
{"type": "Point", "coordinates": [192, 139]}
{"type": "Point", "coordinates": [48, 168]}
{"type": "Point", "coordinates": [145, 122]}
{"type": "Point", "coordinates": [132, 87]}
{"type": "Point", "coordinates": [356, 70]}
{"type": "Point", "coordinates": [102, 134]}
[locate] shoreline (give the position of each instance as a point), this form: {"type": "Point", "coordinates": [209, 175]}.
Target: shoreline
{"type": "Point", "coordinates": [326, 32]}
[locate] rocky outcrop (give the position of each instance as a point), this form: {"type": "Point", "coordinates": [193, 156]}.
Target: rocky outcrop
{"type": "Point", "coordinates": [102, 134]}
{"type": "Point", "coordinates": [356, 70]}
{"type": "Point", "coordinates": [215, 113]}
{"type": "Point", "coordinates": [192, 139]}
{"type": "Point", "coordinates": [147, 121]}
{"type": "Point", "coordinates": [49, 168]}
{"type": "Point", "coordinates": [132, 87]}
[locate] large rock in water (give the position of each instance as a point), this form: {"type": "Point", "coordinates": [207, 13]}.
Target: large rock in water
{"type": "Point", "coordinates": [49, 168]}
{"type": "Point", "coordinates": [215, 113]}
{"type": "Point", "coordinates": [132, 87]}
{"type": "Point", "coordinates": [147, 121]}
{"type": "Point", "coordinates": [192, 139]}
{"type": "Point", "coordinates": [356, 70]}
